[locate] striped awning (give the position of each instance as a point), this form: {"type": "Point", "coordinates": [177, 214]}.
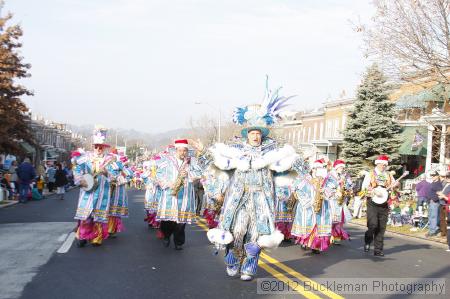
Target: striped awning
{"type": "Point", "coordinates": [27, 147]}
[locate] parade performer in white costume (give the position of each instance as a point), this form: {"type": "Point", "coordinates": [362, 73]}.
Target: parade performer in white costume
{"type": "Point", "coordinates": [247, 222]}
{"type": "Point", "coordinates": [90, 173]}
{"type": "Point", "coordinates": [215, 183]}
{"type": "Point", "coordinates": [312, 221]}
{"type": "Point", "coordinates": [118, 207]}
{"type": "Point", "coordinates": [176, 207]}
{"type": "Point", "coordinates": [152, 191]}
{"type": "Point", "coordinates": [338, 188]}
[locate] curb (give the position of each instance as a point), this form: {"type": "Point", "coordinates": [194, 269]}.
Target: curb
{"type": "Point", "coordinates": [8, 203]}
{"type": "Point", "coordinates": [14, 202]}
{"type": "Point", "coordinates": [405, 236]}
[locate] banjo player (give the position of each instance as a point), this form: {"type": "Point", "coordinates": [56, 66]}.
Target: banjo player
{"type": "Point", "coordinates": [375, 183]}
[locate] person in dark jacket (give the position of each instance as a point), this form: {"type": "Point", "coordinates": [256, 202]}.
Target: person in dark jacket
{"type": "Point", "coordinates": [422, 189]}
{"type": "Point", "coordinates": [26, 175]}
{"type": "Point", "coordinates": [60, 181]}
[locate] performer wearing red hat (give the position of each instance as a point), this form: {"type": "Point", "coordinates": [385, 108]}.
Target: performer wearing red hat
{"type": "Point", "coordinates": [312, 216]}
{"type": "Point", "coordinates": [373, 185]}
{"type": "Point", "coordinates": [337, 189]}
{"type": "Point", "coordinates": [176, 207]}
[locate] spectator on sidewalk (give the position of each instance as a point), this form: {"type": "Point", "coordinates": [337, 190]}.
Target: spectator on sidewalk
{"type": "Point", "coordinates": [26, 174]}
{"type": "Point", "coordinates": [60, 181]}
{"type": "Point", "coordinates": [40, 185]}
{"type": "Point", "coordinates": [443, 206]}
{"type": "Point", "coordinates": [41, 170]}
{"type": "Point", "coordinates": [422, 189]}
{"type": "Point", "coordinates": [4, 182]}
{"type": "Point", "coordinates": [13, 178]}
{"type": "Point", "coordinates": [51, 171]}
{"type": "Point", "coordinates": [433, 210]}
{"type": "Point", "coordinates": [445, 197]}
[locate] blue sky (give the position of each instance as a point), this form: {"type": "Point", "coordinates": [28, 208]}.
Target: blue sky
{"type": "Point", "coordinates": [142, 64]}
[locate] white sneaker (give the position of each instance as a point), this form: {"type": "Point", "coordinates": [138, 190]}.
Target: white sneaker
{"type": "Point", "coordinates": [232, 271]}
{"type": "Point", "coordinates": [448, 250]}
{"type": "Point", "coordinates": [246, 277]}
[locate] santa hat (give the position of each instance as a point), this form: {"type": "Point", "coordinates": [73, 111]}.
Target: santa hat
{"type": "Point", "coordinates": [318, 163]}
{"type": "Point", "coordinates": [75, 154]}
{"type": "Point", "coordinates": [181, 143]}
{"type": "Point", "coordinates": [338, 163]}
{"type": "Point", "coordinates": [382, 159]}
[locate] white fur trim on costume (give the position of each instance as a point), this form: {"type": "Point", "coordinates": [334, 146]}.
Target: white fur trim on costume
{"type": "Point", "coordinates": [219, 236]}
{"type": "Point", "coordinates": [284, 164]}
{"type": "Point", "coordinates": [287, 153]}
{"type": "Point", "coordinates": [284, 180]}
{"type": "Point", "coordinates": [381, 162]}
{"type": "Point", "coordinates": [227, 157]}
{"type": "Point", "coordinates": [271, 241]}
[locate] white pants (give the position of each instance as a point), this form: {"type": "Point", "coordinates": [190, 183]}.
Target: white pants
{"type": "Point", "coordinates": [61, 190]}
{"type": "Point", "coordinates": [357, 207]}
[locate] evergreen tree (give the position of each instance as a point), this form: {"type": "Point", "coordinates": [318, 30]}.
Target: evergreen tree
{"type": "Point", "coordinates": [15, 122]}
{"type": "Point", "coordinates": [371, 129]}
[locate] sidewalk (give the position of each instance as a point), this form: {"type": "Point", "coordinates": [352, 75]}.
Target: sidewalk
{"type": "Point", "coordinates": [46, 194]}
{"type": "Point", "coordinates": [404, 231]}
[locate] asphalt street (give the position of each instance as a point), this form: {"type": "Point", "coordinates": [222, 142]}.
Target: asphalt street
{"type": "Point", "coordinates": [137, 265]}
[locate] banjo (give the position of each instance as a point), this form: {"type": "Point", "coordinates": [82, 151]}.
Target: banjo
{"type": "Point", "coordinates": [92, 180]}
{"type": "Point", "coordinates": [381, 194]}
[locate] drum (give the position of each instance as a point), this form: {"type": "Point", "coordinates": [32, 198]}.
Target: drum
{"type": "Point", "coordinates": [90, 181]}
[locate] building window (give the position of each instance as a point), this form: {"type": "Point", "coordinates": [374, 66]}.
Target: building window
{"type": "Point", "coordinates": [315, 131]}
{"type": "Point", "coordinates": [329, 125]}
{"type": "Point", "coordinates": [321, 130]}
{"type": "Point", "coordinates": [309, 134]}
{"type": "Point", "coordinates": [336, 128]}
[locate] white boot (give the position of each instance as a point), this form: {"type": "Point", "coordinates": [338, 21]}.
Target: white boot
{"type": "Point", "coordinates": [246, 277]}
{"type": "Point", "coordinates": [232, 271]}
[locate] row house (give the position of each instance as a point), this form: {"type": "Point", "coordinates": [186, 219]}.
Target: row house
{"type": "Point", "coordinates": [54, 141]}
{"type": "Point", "coordinates": [422, 110]}
{"type": "Point", "coordinates": [319, 131]}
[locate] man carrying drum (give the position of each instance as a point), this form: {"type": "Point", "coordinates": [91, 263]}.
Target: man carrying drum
{"type": "Point", "coordinates": [90, 173]}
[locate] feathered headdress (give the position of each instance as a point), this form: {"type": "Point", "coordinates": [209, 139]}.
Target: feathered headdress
{"type": "Point", "coordinates": [260, 117]}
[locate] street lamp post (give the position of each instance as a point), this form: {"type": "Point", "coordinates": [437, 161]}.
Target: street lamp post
{"type": "Point", "coordinates": [219, 120]}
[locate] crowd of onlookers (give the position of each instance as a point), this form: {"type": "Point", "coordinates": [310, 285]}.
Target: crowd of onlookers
{"type": "Point", "coordinates": [433, 195]}
{"type": "Point", "coordinates": [428, 209]}
{"type": "Point", "coordinates": [24, 182]}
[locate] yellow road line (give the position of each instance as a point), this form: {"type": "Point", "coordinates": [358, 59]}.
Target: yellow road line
{"type": "Point", "coordinates": [298, 275]}
{"type": "Point", "coordinates": [270, 260]}
{"type": "Point", "coordinates": [202, 225]}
